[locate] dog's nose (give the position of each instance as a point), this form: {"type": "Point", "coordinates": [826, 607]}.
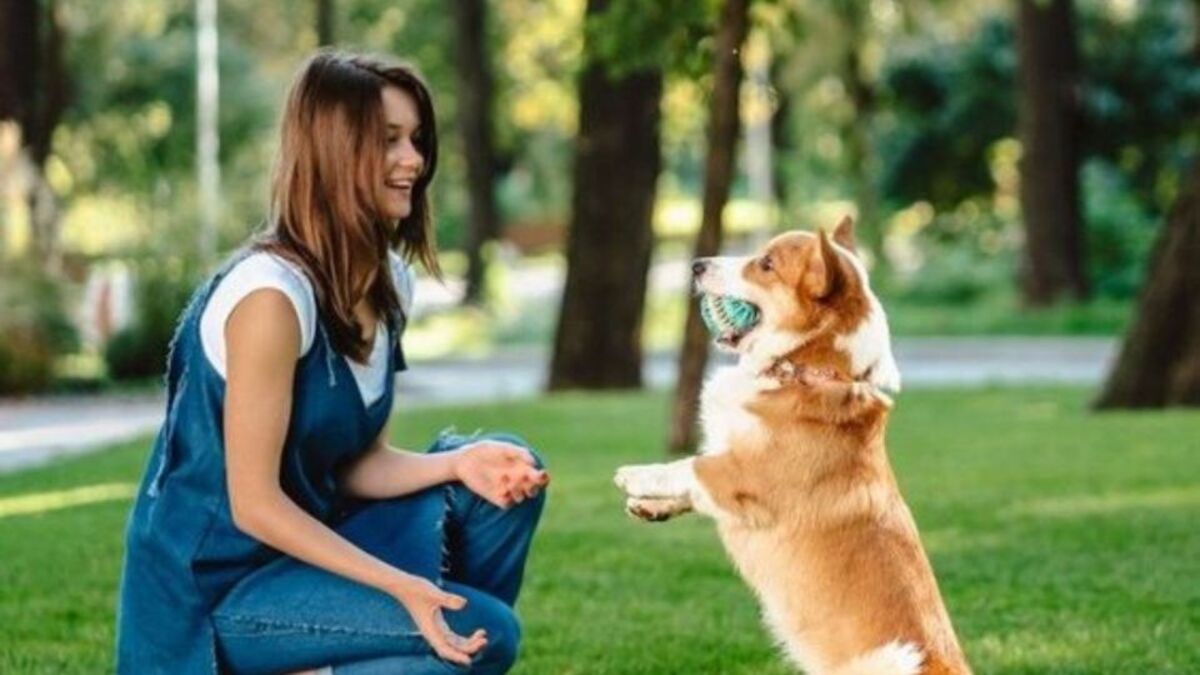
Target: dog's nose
{"type": "Point", "coordinates": [698, 267]}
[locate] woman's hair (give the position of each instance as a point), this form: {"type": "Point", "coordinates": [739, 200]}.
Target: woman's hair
{"type": "Point", "coordinates": [325, 194]}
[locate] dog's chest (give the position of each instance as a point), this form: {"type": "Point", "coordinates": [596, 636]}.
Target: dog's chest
{"type": "Point", "coordinates": [723, 408]}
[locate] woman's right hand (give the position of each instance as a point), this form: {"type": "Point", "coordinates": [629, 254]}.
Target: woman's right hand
{"type": "Point", "coordinates": [424, 602]}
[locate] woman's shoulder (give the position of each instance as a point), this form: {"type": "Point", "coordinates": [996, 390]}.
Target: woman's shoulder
{"type": "Point", "coordinates": [269, 267]}
{"type": "Point", "coordinates": [255, 271]}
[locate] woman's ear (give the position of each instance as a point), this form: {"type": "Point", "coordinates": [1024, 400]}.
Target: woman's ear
{"type": "Point", "coordinates": [823, 273]}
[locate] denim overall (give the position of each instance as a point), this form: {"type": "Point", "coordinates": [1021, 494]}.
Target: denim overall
{"type": "Point", "coordinates": [184, 556]}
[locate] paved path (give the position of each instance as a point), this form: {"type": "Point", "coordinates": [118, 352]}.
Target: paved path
{"type": "Point", "coordinates": [37, 431]}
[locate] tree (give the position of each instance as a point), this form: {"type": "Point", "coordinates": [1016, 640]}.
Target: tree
{"type": "Point", "coordinates": [1048, 123]}
{"type": "Point", "coordinates": [475, 96]}
{"type": "Point", "coordinates": [1159, 364]}
{"type": "Point", "coordinates": [598, 343]}
{"type": "Point", "coordinates": [325, 23]}
{"type": "Point", "coordinates": [723, 124]}
{"type": "Point", "coordinates": [33, 94]}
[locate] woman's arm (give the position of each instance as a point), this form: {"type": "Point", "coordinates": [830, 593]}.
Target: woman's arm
{"type": "Point", "coordinates": [263, 342]}
{"type": "Point", "coordinates": [502, 473]}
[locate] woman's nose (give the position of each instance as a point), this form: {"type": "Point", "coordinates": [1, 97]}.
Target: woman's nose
{"type": "Point", "coordinates": [412, 160]}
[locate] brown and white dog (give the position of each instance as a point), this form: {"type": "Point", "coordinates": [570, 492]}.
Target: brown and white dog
{"type": "Point", "coordinates": [794, 471]}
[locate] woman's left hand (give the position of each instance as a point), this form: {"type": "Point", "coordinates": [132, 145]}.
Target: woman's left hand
{"type": "Point", "coordinates": [502, 473]}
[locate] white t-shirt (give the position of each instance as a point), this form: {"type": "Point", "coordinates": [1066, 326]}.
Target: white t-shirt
{"type": "Point", "coordinates": [266, 270]}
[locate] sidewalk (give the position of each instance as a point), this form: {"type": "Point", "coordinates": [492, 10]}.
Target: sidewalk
{"type": "Point", "coordinates": [38, 431]}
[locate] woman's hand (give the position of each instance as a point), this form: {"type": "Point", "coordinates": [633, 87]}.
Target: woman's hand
{"type": "Point", "coordinates": [502, 473]}
{"type": "Point", "coordinates": [424, 602]}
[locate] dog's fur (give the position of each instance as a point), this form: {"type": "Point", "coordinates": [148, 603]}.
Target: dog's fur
{"type": "Point", "coordinates": [794, 470]}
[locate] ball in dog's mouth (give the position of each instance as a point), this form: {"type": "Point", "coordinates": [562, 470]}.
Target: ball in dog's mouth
{"type": "Point", "coordinates": [729, 319]}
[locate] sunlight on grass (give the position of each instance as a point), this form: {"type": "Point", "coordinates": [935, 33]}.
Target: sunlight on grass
{"type": "Point", "coordinates": [1092, 505]}
{"type": "Point", "coordinates": [41, 502]}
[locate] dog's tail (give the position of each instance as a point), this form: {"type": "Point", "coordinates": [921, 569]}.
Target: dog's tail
{"type": "Point", "coordinates": [894, 658]}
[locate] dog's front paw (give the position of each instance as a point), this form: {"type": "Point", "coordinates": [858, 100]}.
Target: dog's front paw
{"type": "Point", "coordinates": [655, 510]}
{"type": "Point", "coordinates": [636, 480]}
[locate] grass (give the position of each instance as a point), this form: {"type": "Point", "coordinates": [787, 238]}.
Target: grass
{"type": "Point", "coordinates": [1003, 314]}
{"type": "Point", "coordinates": [1065, 542]}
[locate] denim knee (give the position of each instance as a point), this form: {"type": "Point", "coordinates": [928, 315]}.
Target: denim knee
{"type": "Point", "coordinates": [506, 437]}
{"type": "Point", "coordinates": [503, 643]}
{"type": "Point", "coordinates": [447, 440]}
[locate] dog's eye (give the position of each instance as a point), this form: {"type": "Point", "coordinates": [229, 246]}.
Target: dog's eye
{"type": "Point", "coordinates": [765, 264]}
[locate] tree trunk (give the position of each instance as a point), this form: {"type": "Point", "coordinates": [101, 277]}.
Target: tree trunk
{"type": "Point", "coordinates": [723, 125]}
{"type": "Point", "coordinates": [474, 116]}
{"type": "Point", "coordinates": [783, 142]}
{"type": "Point", "coordinates": [1049, 127]}
{"type": "Point", "coordinates": [33, 93]}
{"type": "Point", "coordinates": [325, 23]}
{"type": "Point", "coordinates": [598, 342]}
{"type": "Point", "coordinates": [1159, 363]}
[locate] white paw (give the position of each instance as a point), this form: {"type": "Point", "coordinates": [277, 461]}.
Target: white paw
{"type": "Point", "coordinates": [645, 480]}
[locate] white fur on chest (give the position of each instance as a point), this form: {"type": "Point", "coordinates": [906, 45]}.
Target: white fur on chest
{"type": "Point", "coordinates": [723, 413]}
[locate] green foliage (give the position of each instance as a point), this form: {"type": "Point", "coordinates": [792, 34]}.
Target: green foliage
{"type": "Point", "coordinates": [952, 100]}
{"type": "Point", "coordinates": [949, 103]}
{"type": "Point", "coordinates": [957, 276]}
{"type": "Point", "coordinates": [1120, 232]}
{"type": "Point", "coordinates": [635, 35]}
{"type": "Point", "coordinates": [1064, 541]}
{"type": "Point", "coordinates": [131, 121]}
{"type": "Point", "coordinates": [1142, 95]}
{"type": "Point", "coordinates": [161, 292]}
{"type": "Point", "coordinates": [34, 328]}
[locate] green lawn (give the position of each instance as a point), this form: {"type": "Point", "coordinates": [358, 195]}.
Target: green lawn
{"type": "Point", "coordinates": [1065, 542]}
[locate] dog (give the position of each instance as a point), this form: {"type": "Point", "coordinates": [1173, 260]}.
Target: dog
{"type": "Point", "coordinates": [794, 471]}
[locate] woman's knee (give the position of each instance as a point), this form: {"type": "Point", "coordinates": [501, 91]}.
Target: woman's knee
{"type": "Point", "coordinates": [448, 440]}
{"type": "Point", "coordinates": [498, 620]}
{"type": "Point", "coordinates": [500, 652]}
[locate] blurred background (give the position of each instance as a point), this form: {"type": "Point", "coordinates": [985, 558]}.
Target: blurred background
{"type": "Point", "coordinates": [1009, 164]}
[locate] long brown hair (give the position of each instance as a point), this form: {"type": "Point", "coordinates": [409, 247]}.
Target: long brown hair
{"type": "Point", "coordinates": [325, 215]}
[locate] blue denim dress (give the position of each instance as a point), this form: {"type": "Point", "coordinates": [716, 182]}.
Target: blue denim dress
{"type": "Point", "coordinates": [183, 553]}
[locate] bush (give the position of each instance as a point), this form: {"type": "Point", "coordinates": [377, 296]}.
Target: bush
{"type": "Point", "coordinates": [160, 295]}
{"type": "Point", "coordinates": [957, 276]}
{"type": "Point", "coordinates": [34, 328]}
{"type": "Point", "coordinates": [1120, 232]}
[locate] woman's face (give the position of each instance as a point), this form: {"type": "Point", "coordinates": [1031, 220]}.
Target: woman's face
{"type": "Point", "coordinates": [403, 162]}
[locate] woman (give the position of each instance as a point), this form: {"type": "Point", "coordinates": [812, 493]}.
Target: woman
{"type": "Point", "coordinates": [275, 529]}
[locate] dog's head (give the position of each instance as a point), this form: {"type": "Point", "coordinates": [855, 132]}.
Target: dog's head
{"type": "Point", "coordinates": [813, 300]}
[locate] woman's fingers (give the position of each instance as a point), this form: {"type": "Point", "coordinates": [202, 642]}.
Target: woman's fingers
{"type": "Point", "coordinates": [442, 639]}
{"type": "Point", "coordinates": [450, 645]}
{"type": "Point", "coordinates": [452, 601]}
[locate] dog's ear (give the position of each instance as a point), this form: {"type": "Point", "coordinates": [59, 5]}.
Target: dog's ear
{"type": "Point", "coordinates": [823, 273]}
{"type": "Point", "coordinates": [843, 234]}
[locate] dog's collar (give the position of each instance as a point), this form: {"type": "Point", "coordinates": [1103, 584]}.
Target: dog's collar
{"type": "Point", "coordinates": [783, 371]}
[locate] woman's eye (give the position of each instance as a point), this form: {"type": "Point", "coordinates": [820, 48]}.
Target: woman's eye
{"type": "Point", "coordinates": [765, 264]}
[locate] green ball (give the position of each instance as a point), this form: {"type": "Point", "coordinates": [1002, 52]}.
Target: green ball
{"type": "Point", "coordinates": [723, 314]}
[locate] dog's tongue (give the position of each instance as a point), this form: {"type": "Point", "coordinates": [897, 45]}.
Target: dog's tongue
{"type": "Point", "coordinates": [726, 317]}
